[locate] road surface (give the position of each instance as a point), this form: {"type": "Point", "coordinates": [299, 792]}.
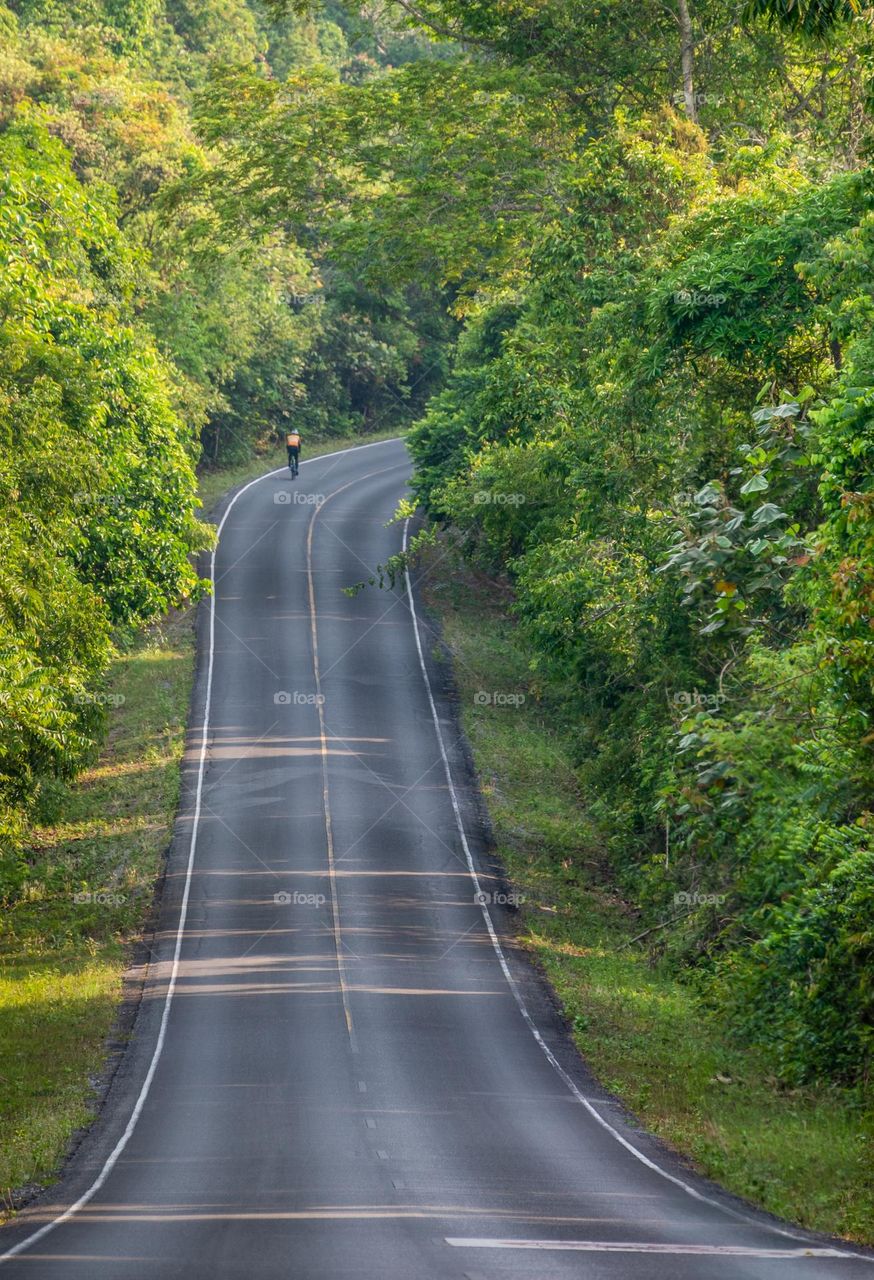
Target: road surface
{"type": "Point", "coordinates": [352, 1077]}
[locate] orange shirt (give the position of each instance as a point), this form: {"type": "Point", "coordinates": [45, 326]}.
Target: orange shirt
{"type": "Point", "coordinates": [292, 439]}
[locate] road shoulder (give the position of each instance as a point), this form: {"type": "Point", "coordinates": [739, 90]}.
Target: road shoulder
{"type": "Point", "coordinates": [664, 1065]}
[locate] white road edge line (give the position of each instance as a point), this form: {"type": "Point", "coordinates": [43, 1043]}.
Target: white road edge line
{"type": "Point", "coordinates": [511, 981]}
{"type": "Point", "coordinates": [112, 1158]}
{"type": "Point", "coordinates": [621, 1246]}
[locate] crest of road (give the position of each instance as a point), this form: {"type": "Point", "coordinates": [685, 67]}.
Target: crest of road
{"type": "Point", "coordinates": [340, 1064]}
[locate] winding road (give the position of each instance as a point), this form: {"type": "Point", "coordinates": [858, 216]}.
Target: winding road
{"type": "Point", "coordinates": [340, 1066]}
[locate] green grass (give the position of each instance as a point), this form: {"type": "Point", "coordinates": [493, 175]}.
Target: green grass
{"type": "Point", "coordinates": [807, 1155]}
{"type": "Point", "coordinates": [62, 961]}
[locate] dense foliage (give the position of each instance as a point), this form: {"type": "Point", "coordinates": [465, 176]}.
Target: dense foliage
{"type": "Point", "coordinates": [618, 264]}
{"type": "Point", "coordinates": [657, 429]}
{"type": "Point", "coordinates": [140, 337]}
{"type": "Point", "coordinates": [683, 506]}
{"type": "Point", "coordinates": [97, 482]}
{"type": "Point", "coordinates": [668, 449]}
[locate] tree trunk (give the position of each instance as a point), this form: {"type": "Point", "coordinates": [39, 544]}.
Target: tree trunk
{"type": "Point", "coordinates": [687, 56]}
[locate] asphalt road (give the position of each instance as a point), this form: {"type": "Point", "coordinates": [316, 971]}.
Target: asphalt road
{"type": "Point", "coordinates": [353, 1077]}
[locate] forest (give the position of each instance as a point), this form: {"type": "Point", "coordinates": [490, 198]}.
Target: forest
{"type": "Point", "coordinates": [656, 427]}
{"type": "Point", "coordinates": [143, 338]}
{"type": "Point", "coordinates": [611, 268]}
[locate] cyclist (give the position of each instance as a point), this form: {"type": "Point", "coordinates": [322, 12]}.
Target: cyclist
{"type": "Point", "coordinates": [292, 443]}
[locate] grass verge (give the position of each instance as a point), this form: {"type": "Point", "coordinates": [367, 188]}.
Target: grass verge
{"type": "Point", "coordinates": [94, 858]}
{"type": "Point", "coordinates": [805, 1154]}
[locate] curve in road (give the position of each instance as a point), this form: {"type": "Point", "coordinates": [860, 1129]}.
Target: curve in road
{"type": "Point", "coordinates": [341, 1067]}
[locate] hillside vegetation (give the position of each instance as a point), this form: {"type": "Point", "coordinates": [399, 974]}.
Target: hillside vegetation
{"type": "Point", "coordinates": [141, 338]}
{"type": "Point", "coordinates": [657, 432]}
{"type": "Point", "coordinates": [614, 262]}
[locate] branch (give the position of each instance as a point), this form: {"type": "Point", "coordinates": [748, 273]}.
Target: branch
{"type": "Point", "coordinates": [439, 30]}
{"type": "Point", "coordinates": [664, 924]}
